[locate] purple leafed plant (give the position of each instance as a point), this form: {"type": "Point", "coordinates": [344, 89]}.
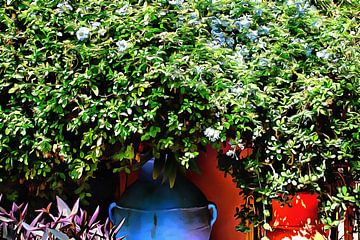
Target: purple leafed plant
{"type": "Point", "coordinates": [68, 224]}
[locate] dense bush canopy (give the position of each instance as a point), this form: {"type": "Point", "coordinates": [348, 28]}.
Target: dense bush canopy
{"type": "Point", "coordinates": [300, 73]}
{"type": "Point", "coordinates": [85, 82]}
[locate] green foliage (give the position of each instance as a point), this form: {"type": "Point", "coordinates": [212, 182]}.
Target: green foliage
{"type": "Point", "coordinates": [298, 106]}
{"type": "Point", "coordinates": [85, 82]}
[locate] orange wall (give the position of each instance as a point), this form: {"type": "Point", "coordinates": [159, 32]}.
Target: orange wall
{"type": "Point", "coordinates": [220, 190]}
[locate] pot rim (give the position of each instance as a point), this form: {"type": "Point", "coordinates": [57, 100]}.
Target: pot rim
{"type": "Point", "coordinates": [163, 210]}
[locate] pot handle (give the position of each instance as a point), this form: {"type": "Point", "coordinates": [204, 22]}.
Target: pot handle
{"type": "Point", "coordinates": [214, 213]}
{"type": "Point", "coordinates": [111, 207]}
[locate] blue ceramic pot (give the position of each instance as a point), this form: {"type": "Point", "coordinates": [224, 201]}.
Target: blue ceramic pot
{"type": "Point", "coordinates": [153, 210]}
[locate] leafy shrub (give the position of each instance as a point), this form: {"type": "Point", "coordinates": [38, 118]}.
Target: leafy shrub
{"type": "Point", "coordinates": [92, 82]}
{"type": "Point", "coordinates": [83, 83]}
{"type": "Point", "coordinates": [69, 223]}
{"type": "Point", "coordinates": [296, 114]}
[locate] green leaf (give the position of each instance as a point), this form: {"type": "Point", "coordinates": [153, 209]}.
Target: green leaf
{"type": "Point", "coordinates": [129, 153]}
{"type": "Point", "coordinates": [145, 137]}
{"type": "Point", "coordinates": [154, 131]}
{"type": "Point", "coordinates": [344, 190]}
{"type": "Point", "coordinates": [159, 164]}
{"type": "Point", "coordinates": [266, 213]}
{"type": "Point", "coordinates": [95, 90]}
{"type": "Point", "coordinates": [13, 89]}
{"type": "Point", "coordinates": [170, 172]}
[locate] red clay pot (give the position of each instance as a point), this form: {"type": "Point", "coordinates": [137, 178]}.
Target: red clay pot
{"type": "Point", "coordinates": [298, 222]}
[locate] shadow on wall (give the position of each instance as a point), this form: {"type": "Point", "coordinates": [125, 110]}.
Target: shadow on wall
{"type": "Point", "coordinates": [222, 191]}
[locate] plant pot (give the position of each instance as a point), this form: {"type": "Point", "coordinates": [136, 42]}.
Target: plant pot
{"type": "Point", "coordinates": [300, 221]}
{"type": "Point", "coordinates": [153, 210]}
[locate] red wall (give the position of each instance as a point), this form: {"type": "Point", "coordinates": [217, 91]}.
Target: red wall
{"type": "Point", "coordinates": [220, 190]}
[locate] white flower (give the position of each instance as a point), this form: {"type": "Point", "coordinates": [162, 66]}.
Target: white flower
{"type": "Point", "coordinates": [239, 57]}
{"type": "Point", "coordinates": [252, 35]}
{"type": "Point", "coordinates": [241, 146]}
{"type": "Point", "coordinates": [193, 15]}
{"type": "Point", "coordinates": [323, 54]}
{"type": "Point", "coordinates": [242, 50]}
{"type": "Point", "coordinates": [237, 90]}
{"type": "Point", "coordinates": [263, 62]}
{"type": "Point", "coordinates": [95, 25]}
{"type": "Point", "coordinates": [64, 6]}
{"type": "Point", "coordinates": [122, 45]}
{"type": "Point", "coordinates": [123, 10]}
{"type": "Point", "coordinates": [264, 30]}
{"type": "Point", "coordinates": [163, 36]}
{"type": "Point", "coordinates": [261, 45]}
{"type": "Point", "coordinates": [258, 12]}
{"type": "Point", "coordinates": [230, 153]}
{"type": "Point", "coordinates": [316, 24]}
{"type": "Point", "coordinates": [83, 33]}
{"type": "Point", "coordinates": [214, 45]}
{"type": "Point", "coordinates": [199, 69]}
{"type": "Point", "coordinates": [212, 134]}
{"type": "Point", "coordinates": [102, 32]}
{"type": "Point", "coordinates": [243, 22]}
{"type": "Point", "coordinates": [194, 19]}
{"type": "Point", "coordinates": [176, 2]}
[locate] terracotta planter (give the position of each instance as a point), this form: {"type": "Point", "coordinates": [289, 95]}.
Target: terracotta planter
{"type": "Point", "coordinates": [297, 222]}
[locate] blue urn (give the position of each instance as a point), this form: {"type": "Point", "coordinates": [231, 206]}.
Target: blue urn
{"type": "Point", "coordinates": [153, 210]}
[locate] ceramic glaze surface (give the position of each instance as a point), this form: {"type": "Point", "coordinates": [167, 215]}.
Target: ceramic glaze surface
{"type": "Point", "coordinates": [174, 224]}
{"type": "Point", "coordinates": [153, 210]}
